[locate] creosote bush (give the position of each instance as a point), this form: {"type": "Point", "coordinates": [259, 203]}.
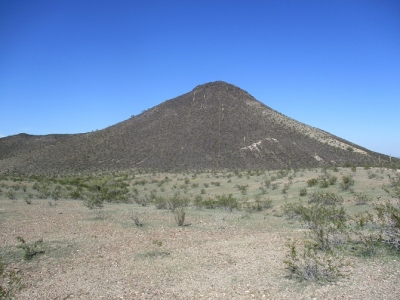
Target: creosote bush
{"type": "Point", "coordinates": [311, 264]}
{"type": "Point", "coordinates": [30, 250]}
{"type": "Point", "coordinates": [179, 214]}
{"type": "Point", "coordinates": [325, 198]}
{"type": "Point", "coordinates": [389, 220]}
{"type": "Point", "coordinates": [347, 182]}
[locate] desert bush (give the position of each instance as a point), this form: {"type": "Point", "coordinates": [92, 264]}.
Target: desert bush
{"type": "Point", "coordinates": [258, 205]}
{"type": "Point", "coordinates": [285, 188]}
{"type": "Point", "coordinates": [327, 224]}
{"type": "Point", "coordinates": [76, 194]}
{"type": "Point", "coordinates": [30, 250]}
{"type": "Point", "coordinates": [179, 214]}
{"type": "Point", "coordinates": [198, 201]}
{"type": "Point", "coordinates": [332, 180]}
{"type": "Point", "coordinates": [312, 182]}
{"type": "Point", "coordinates": [347, 182]}
{"type": "Point", "coordinates": [210, 203]}
{"type": "Point", "coordinates": [361, 219]}
{"type": "Point", "coordinates": [11, 195]}
{"type": "Point", "coordinates": [325, 198]}
{"type": "Point", "coordinates": [389, 220]}
{"type": "Point", "coordinates": [242, 188]}
{"type": "Point", "coordinates": [227, 202]}
{"type": "Point", "coordinates": [161, 203]}
{"type": "Point", "coordinates": [294, 210]}
{"type": "Point", "coordinates": [362, 198]}
{"type": "Point", "coordinates": [313, 265]}
{"type": "Point", "coordinates": [143, 200]}
{"type": "Point", "coordinates": [177, 201]}
{"type": "Point", "coordinates": [267, 183]}
{"type": "Point", "coordinates": [16, 187]}
{"type": "Point", "coordinates": [303, 192]}
{"type": "Point", "coordinates": [323, 183]}
{"type": "Point", "coordinates": [93, 201]}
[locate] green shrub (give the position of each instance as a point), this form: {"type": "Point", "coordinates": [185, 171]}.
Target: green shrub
{"type": "Point", "coordinates": [11, 195]}
{"type": "Point", "coordinates": [227, 202]}
{"type": "Point", "coordinates": [362, 198]}
{"type": "Point", "coordinates": [323, 183]}
{"type": "Point", "coordinates": [93, 201]}
{"type": "Point", "coordinates": [389, 220]}
{"type": "Point", "coordinates": [347, 182]}
{"type": "Point", "coordinates": [242, 188]}
{"type": "Point", "coordinates": [258, 205]}
{"type": "Point", "coordinates": [177, 201]}
{"type": "Point", "coordinates": [179, 214]}
{"type": "Point", "coordinates": [161, 203]}
{"type": "Point", "coordinates": [30, 250]}
{"type": "Point", "coordinates": [327, 224]}
{"type": "Point", "coordinates": [325, 198]}
{"type": "Point", "coordinates": [303, 192]}
{"type": "Point", "coordinates": [313, 265]}
{"type": "Point", "coordinates": [312, 182]}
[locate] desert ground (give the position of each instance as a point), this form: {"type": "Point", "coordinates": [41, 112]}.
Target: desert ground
{"type": "Point", "coordinates": [134, 249]}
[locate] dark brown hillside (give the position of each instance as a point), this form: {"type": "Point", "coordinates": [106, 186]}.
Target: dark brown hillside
{"type": "Point", "coordinates": [216, 125]}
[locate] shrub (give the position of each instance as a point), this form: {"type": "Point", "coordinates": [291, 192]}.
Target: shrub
{"type": "Point", "coordinates": [285, 188]}
{"type": "Point", "coordinates": [242, 188]}
{"type": "Point", "coordinates": [332, 180]}
{"type": "Point", "coordinates": [259, 205]}
{"type": "Point", "coordinates": [180, 214]}
{"type": "Point", "coordinates": [93, 201]}
{"type": "Point", "coordinates": [177, 201]}
{"type": "Point", "coordinates": [11, 195]}
{"type": "Point", "coordinates": [303, 192]}
{"type": "Point", "coordinates": [325, 198]}
{"type": "Point", "coordinates": [161, 203]}
{"type": "Point", "coordinates": [347, 182]}
{"type": "Point", "coordinates": [227, 202]}
{"type": "Point", "coordinates": [312, 265]}
{"type": "Point", "coordinates": [267, 183]}
{"type": "Point", "coordinates": [327, 224]}
{"type": "Point", "coordinates": [362, 199]}
{"type": "Point", "coordinates": [389, 221]}
{"type": "Point", "coordinates": [312, 182]}
{"type": "Point", "coordinates": [30, 250]}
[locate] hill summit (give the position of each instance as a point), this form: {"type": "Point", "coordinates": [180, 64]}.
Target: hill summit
{"type": "Point", "coordinates": [215, 126]}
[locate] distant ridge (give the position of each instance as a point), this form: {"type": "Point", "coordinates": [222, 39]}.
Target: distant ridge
{"type": "Point", "coordinates": [215, 126]}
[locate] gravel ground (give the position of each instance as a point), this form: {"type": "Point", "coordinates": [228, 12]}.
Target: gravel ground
{"type": "Point", "coordinates": [220, 255]}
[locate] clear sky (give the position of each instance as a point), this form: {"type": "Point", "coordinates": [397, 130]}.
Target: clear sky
{"type": "Point", "coordinates": [77, 66]}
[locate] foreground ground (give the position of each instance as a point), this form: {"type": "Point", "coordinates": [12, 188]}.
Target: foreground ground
{"type": "Point", "coordinates": [219, 254]}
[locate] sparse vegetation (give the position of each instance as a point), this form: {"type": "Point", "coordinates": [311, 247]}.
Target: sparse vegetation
{"type": "Point", "coordinates": [327, 229]}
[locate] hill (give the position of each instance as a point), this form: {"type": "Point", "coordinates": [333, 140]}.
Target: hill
{"type": "Point", "coordinates": [216, 125]}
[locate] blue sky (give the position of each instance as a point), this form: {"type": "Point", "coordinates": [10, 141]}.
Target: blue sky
{"type": "Point", "coordinates": [77, 66]}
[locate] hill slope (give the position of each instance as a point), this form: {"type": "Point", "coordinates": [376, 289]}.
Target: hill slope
{"type": "Point", "coordinates": [216, 125]}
